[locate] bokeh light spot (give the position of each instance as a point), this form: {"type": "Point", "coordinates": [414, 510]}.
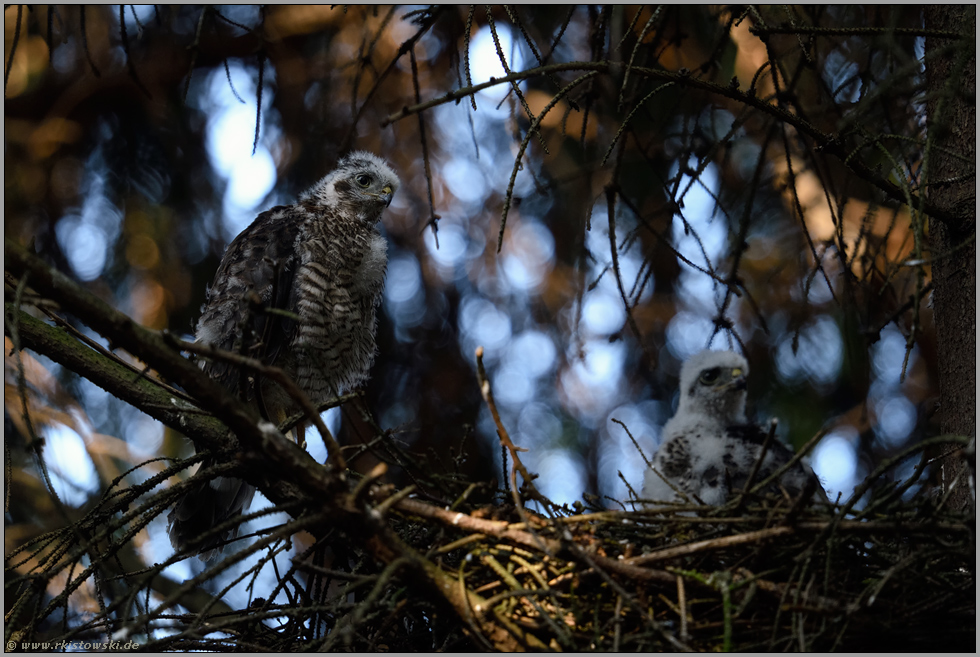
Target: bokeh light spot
{"type": "Point", "coordinates": [84, 245]}
{"type": "Point", "coordinates": [404, 280]}
{"type": "Point", "coordinates": [603, 313]}
{"type": "Point", "coordinates": [483, 324]}
{"type": "Point", "coordinates": [533, 352]}
{"type": "Point", "coordinates": [819, 355]}
{"type": "Point", "coordinates": [465, 180]}
{"type": "Point", "coordinates": [687, 334]}
{"type": "Point", "coordinates": [562, 476]}
{"type": "Point", "coordinates": [485, 62]}
{"type": "Point", "coordinates": [896, 419]}
{"type": "Point", "coordinates": [888, 354]}
{"type": "Point", "coordinates": [530, 251]}
{"type": "Point", "coordinates": [70, 466]}
{"type": "Point", "coordinates": [512, 386]}
{"type": "Point", "coordinates": [834, 462]}
{"type": "Point", "coordinates": [537, 425]}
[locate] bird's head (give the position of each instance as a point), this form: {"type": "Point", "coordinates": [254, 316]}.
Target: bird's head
{"type": "Point", "coordinates": [362, 182]}
{"type": "Point", "coordinates": [713, 383]}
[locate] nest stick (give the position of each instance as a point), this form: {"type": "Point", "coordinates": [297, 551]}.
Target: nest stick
{"type": "Point", "coordinates": [514, 450]}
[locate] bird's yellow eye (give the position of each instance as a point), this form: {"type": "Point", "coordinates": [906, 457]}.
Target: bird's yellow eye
{"type": "Point", "coordinates": [708, 377]}
{"type": "Point", "coordinates": [363, 180]}
{"type": "Point", "coordinates": [736, 372]}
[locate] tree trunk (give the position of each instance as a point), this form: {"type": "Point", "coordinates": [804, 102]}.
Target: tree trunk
{"type": "Point", "coordinates": [952, 115]}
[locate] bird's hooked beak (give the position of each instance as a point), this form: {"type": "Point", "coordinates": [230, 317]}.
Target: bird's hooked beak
{"type": "Point", "coordinates": [740, 381]}
{"type": "Point", "coordinates": [387, 193]}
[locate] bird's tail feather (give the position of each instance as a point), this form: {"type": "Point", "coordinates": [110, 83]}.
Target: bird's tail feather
{"type": "Point", "coordinates": [202, 508]}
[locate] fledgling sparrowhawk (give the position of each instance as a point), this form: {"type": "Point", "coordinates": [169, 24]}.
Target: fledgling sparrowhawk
{"type": "Point", "coordinates": [323, 261]}
{"type": "Point", "coordinates": [709, 447]}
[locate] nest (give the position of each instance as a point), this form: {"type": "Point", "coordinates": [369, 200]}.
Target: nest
{"type": "Point", "coordinates": [898, 575]}
{"type": "Point", "coordinates": [765, 572]}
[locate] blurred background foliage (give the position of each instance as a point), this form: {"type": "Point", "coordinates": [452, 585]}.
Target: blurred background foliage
{"type": "Point", "coordinates": [763, 167]}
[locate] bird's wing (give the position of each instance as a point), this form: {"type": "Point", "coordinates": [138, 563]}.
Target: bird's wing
{"type": "Point", "coordinates": [777, 455]}
{"type": "Point", "coordinates": [748, 433]}
{"type": "Point", "coordinates": [671, 470]}
{"type": "Point", "coordinates": [256, 274]}
{"type": "Point", "coordinates": [207, 504]}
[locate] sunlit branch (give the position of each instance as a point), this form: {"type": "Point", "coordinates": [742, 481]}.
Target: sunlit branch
{"type": "Point", "coordinates": [502, 432]}
{"type": "Point", "coordinates": [274, 465]}
{"type": "Point", "coordinates": [827, 143]}
{"type": "Point", "coordinates": [433, 217]}
{"type": "Point", "coordinates": [514, 86]}
{"type": "Point", "coordinates": [508, 195]}
{"type": "Point", "coordinates": [114, 377]}
{"type": "Point", "coordinates": [404, 48]}
{"type": "Point", "coordinates": [13, 47]}
{"type": "Point", "coordinates": [458, 94]}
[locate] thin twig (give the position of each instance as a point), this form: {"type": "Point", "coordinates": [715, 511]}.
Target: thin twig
{"type": "Point", "coordinates": [503, 434]}
{"type": "Point", "coordinates": [433, 217]}
{"type": "Point", "coordinates": [773, 423]}
{"type": "Point", "coordinates": [13, 47]}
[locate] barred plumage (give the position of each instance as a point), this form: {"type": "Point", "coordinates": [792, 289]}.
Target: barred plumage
{"type": "Point", "coordinates": [322, 261]}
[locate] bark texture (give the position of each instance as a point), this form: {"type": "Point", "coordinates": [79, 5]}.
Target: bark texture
{"type": "Point", "coordinates": [952, 114]}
